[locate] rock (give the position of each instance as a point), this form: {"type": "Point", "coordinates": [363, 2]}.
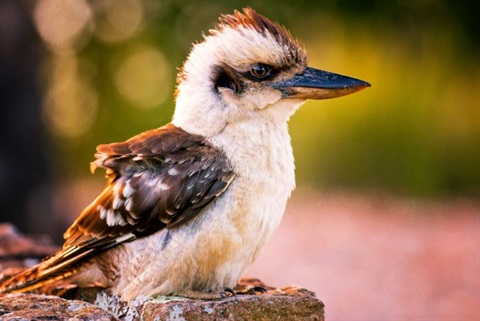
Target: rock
{"type": "Point", "coordinates": [46, 307]}
{"type": "Point", "coordinates": [289, 303]}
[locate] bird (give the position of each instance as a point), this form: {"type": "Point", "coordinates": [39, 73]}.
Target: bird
{"type": "Point", "coordinates": [188, 206]}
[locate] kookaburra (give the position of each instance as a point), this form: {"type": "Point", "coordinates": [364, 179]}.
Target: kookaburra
{"type": "Point", "coordinates": [188, 206]}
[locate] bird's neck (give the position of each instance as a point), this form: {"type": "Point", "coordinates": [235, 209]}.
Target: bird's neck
{"type": "Point", "coordinates": [260, 151]}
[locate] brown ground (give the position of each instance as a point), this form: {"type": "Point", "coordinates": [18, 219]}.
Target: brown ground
{"type": "Point", "coordinates": [375, 258]}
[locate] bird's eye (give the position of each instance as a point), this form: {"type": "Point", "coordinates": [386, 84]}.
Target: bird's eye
{"type": "Point", "coordinates": [260, 71]}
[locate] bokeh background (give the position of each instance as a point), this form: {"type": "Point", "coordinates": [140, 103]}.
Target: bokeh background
{"type": "Point", "coordinates": [385, 224]}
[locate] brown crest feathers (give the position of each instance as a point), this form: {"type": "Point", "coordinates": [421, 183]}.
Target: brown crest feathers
{"type": "Point", "coordinates": [250, 19]}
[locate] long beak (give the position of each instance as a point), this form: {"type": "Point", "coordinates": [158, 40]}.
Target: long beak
{"type": "Point", "coordinates": [319, 84]}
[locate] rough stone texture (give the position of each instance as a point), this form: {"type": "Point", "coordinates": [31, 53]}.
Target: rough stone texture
{"type": "Point", "coordinates": [290, 303]}
{"type": "Point", "coordinates": [46, 307]}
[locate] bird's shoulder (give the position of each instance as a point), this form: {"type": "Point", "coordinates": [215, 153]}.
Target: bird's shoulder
{"type": "Point", "coordinates": [161, 178]}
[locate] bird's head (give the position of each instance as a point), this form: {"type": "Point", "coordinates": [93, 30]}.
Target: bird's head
{"type": "Point", "coordinates": [247, 68]}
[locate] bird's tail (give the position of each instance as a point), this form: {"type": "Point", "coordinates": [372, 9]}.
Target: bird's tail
{"type": "Point", "coordinates": [42, 277]}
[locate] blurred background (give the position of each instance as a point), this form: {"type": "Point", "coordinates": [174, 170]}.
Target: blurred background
{"type": "Point", "coordinates": [387, 209]}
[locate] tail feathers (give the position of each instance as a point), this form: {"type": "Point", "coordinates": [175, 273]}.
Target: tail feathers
{"type": "Point", "coordinates": [56, 268]}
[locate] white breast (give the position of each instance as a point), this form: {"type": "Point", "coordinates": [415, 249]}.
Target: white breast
{"type": "Point", "coordinates": [213, 250]}
{"type": "Point", "coordinates": [261, 155]}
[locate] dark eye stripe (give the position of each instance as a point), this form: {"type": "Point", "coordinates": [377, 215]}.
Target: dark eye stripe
{"type": "Point", "coordinates": [226, 77]}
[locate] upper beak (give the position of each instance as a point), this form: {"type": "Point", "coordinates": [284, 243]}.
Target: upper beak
{"type": "Point", "coordinates": [319, 84]}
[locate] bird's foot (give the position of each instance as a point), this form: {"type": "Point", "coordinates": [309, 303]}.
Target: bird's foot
{"type": "Point", "coordinates": [252, 286]}
{"type": "Point", "coordinates": [217, 295]}
{"type": "Point", "coordinates": [255, 290]}
{"type": "Point", "coordinates": [227, 293]}
{"type": "Point", "coordinates": [260, 289]}
{"type": "Point", "coordinates": [210, 295]}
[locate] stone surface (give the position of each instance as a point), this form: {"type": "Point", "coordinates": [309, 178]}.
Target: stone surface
{"type": "Point", "coordinates": [47, 307]}
{"type": "Point", "coordinates": [281, 304]}
{"type": "Point", "coordinates": [290, 303]}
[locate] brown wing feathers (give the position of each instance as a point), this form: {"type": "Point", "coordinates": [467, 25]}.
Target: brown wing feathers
{"type": "Point", "coordinates": [165, 173]}
{"type": "Point", "coordinates": [161, 178]}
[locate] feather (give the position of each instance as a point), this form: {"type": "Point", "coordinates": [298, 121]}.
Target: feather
{"type": "Point", "coordinates": [161, 178]}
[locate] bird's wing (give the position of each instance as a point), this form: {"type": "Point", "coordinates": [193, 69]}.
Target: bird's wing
{"type": "Point", "coordinates": [160, 178]}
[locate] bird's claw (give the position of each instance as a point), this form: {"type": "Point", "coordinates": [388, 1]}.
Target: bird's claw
{"type": "Point", "coordinates": [260, 289]}
{"type": "Point", "coordinates": [227, 293]}
{"type": "Point", "coordinates": [255, 290]}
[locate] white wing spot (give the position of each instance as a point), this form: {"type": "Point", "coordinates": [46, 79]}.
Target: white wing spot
{"type": "Point", "coordinates": [114, 219]}
{"type": "Point", "coordinates": [128, 191]}
{"type": "Point", "coordinates": [117, 202]}
{"type": "Point", "coordinates": [128, 204]}
{"type": "Point", "coordinates": [110, 218]}
{"type": "Point", "coordinates": [116, 188]}
{"type": "Point", "coordinates": [163, 186]}
{"type": "Point", "coordinates": [102, 211]}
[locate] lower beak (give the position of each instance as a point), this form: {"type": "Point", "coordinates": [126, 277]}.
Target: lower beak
{"type": "Point", "coordinates": [319, 84]}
